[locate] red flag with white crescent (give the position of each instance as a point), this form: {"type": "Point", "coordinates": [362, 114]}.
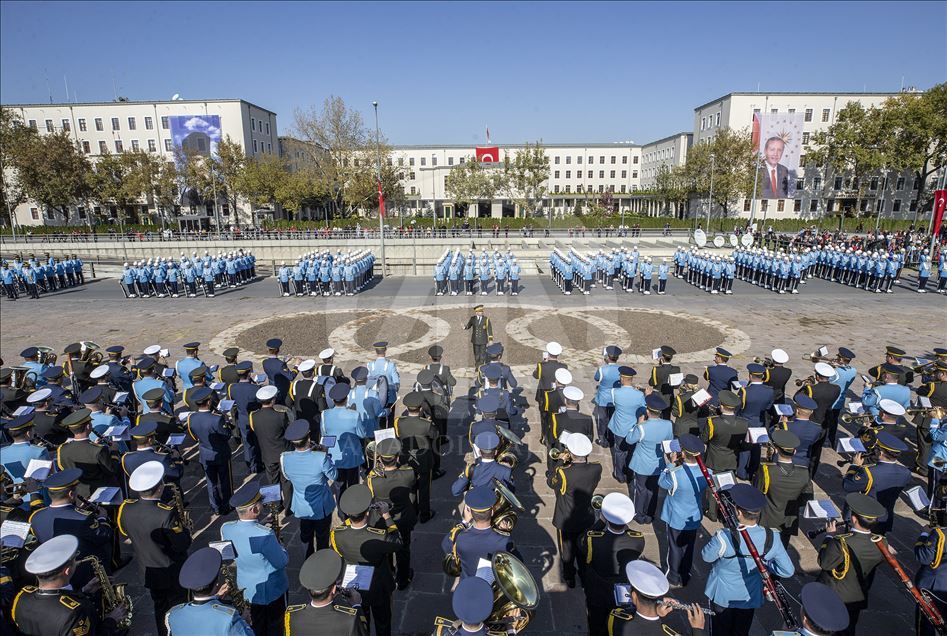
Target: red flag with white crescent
{"type": "Point", "coordinates": [381, 201]}
{"type": "Point", "coordinates": [940, 204]}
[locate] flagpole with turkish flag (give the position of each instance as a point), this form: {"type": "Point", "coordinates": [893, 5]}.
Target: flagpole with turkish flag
{"type": "Point", "coordinates": [381, 197]}
{"type": "Point", "coordinates": [937, 215]}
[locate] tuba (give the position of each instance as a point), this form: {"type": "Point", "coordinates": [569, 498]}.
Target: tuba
{"type": "Point", "coordinates": [112, 595]}
{"type": "Point", "coordinates": [515, 594]}
{"type": "Point", "coordinates": [505, 509]}
{"type": "Point", "coordinates": [22, 380]}
{"type": "Point", "coordinates": [47, 355]}
{"type": "Point", "coordinates": [506, 455]}
{"type": "Point", "coordinates": [90, 352]}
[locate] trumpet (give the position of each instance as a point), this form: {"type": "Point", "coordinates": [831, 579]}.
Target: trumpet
{"type": "Point", "coordinates": [809, 380]}
{"type": "Point", "coordinates": [766, 361]}
{"type": "Point", "coordinates": [597, 501]}
{"type": "Point", "coordinates": [936, 412]}
{"type": "Point", "coordinates": [560, 455]}
{"type": "Point", "coordinates": [815, 357]}
{"type": "Point", "coordinates": [848, 418]}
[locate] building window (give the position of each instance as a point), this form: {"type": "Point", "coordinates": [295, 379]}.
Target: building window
{"type": "Point", "coordinates": [601, 159]}
{"type": "Point", "coordinates": [590, 174]}
{"type": "Point", "coordinates": [433, 160]}
{"type": "Point", "coordinates": [797, 205]}
{"type": "Point", "coordinates": [579, 188]}
{"type": "Point", "coordinates": [817, 183]}
{"type": "Point", "coordinates": [634, 174]}
{"type": "Point", "coordinates": [624, 174]}
{"type": "Point", "coordinates": [556, 160]}
{"type": "Point", "coordinates": [254, 145]}
{"type": "Point", "coordinates": [756, 111]}
{"type": "Point", "coordinates": [423, 161]}
{"type": "Point", "coordinates": [131, 123]}
{"type": "Point", "coordinates": [612, 174]}
{"type": "Point", "coordinates": [623, 189]}
{"type": "Point", "coordinates": [98, 124]}
{"type": "Point", "coordinates": [703, 122]}
{"type": "Point", "coordinates": [118, 146]}
{"type": "Point", "coordinates": [82, 126]}
{"type": "Point", "coordinates": [86, 148]}
{"type": "Point", "coordinates": [900, 184]}
{"type": "Point", "coordinates": [717, 120]}
{"type": "Point", "coordinates": [913, 205]}
{"type": "Point", "coordinates": [34, 213]}
{"type": "Point", "coordinates": [624, 159]}
{"type": "Point", "coordinates": [556, 173]}
{"type": "Point", "coordinates": [792, 111]}
{"type": "Point", "coordinates": [805, 138]}
{"type": "Point", "coordinates": [825, 114]}
{"type": "Point", "coordinates": [65, 125]}
{"type": "Point", "coordinates": [591, 160]}
{"type": "Point", "coordinates": [873, 184]}
{"type": "Point", "coordinates": [774, 110]}
{"type": "Point", "coordinates": [569, 160]}
{"type": "Point", "coordinates": [838, 183]}
{"type": "Point", "coordinates": [601, 174]}
{"type": "Point", "coordinates": [81, 212]}
{"type": "Point", "coordinates": [151, 145]}
{"type": "Point", "coordinates": [413, 190]}
{"type": "Point", "coordinates": [135, 145]}
{"type": "Point", "coordinates": [149, 123]}
{"type": "Point", "coordinates": [32, 124]}
{"type": "Point", "coordinates": [611, 159]}
{"type": "Point", "coordinates": [103, 148]}
{"type": "Point", "coordinates": [808, 115]}
{"type": "Point", "coordinates": [167, 145]}
{"type": "Point", "coordinates": [764, 204]}
{"type": "Point", "coordinates": [115, 124]}
{"type": "Point", "coordinates": [781, 205]}
{"type": "Point", "coordinates": [814, 205]}
{"type": "Point", "coordinates": [450, 161]}
{"type": "Point", "coordinates": [917, 184]}
{"type": "Point", "coordinates": [49, 125]}
{"type": "Point", "coordinates": [411, 162]}
{"type": "Point", "coordinates": [577, 159]}
{"type": "Point", "coordinates": [568, 174]}
{"type": "Point", "coordinates": [897, 206]}
{"type": "Point", "coordinates": [635, 161]}
{"type": "Point", "coordinates": [746, 205]}
{"type": "Point", "coordinates": [267, 128]}
{"type": "Point", "coordinates": [252, 124]}
{"type": "Point", "coordinates": [400, 161]}
{"type": "Point", "coordinates": [413, 177]}
{"type": "Point", "coordinates": [556, 189]}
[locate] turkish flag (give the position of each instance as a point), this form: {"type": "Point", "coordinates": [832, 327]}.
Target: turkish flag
{"type": "Point", "coordinates": [381, 201]}
{"type": "Point", "coordinates": [940, 203]}
{"type": "Point", "coordinates": [488, 154]}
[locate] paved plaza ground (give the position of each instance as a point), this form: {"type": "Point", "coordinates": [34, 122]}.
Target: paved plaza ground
{"type": "Point", "coordinates": [405, 312]}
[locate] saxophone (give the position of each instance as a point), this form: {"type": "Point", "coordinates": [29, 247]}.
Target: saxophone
{"type": "Point", "coordinates": [112, 595]}
{"type": "Point", "coordinates": [273, 521]}
{"type": "Point", "coordinates": [183, 515]}
{"type": "Point", "coordinates": [237, 598]}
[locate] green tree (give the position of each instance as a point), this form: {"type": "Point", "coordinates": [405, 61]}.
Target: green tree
{"type": "Point", "coordinates": [671, 188]}
{"type": "Point", "coordinates": [154, 179]}
{"type": "Point", "coordinates": [13, 135]}
{"type": "Point", "coordinates": [260, 179]}
{"type": "Point", "coordinates": [729, 158]}
{"type": "Point", "coordinates": [916, 128]}
{"type": "Point", "coordinates": [51, 170]}
{"type": "Point", "coordinates": [469, 182]}
{"type": "Point", "coordinates": [113, 183]}
{"type": "Point", "coordinates": [228, 168]}
{"type": "Point", "coordinates": [525, 177]}
{"type": "Point", "coordinates": [855, 145]}
{"type": "Point", "coordinates": [301, 187]}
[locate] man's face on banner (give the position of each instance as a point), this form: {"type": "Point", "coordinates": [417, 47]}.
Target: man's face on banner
{"type": "Point", "coordinates": [774, 151]}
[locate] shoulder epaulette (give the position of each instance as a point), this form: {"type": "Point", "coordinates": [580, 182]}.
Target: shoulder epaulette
{"type": "Point", "coordinates": [130, 500]}
{"type": "Point", "coordinates": [844, 535]}
{"type": "Point", "coordinates": [164, 506]}
{"type": "Point", "coordinates": [351, 611]}
{"type": "Point", "coordinates": [295, 608]}
{"type": "Point", "coordinates": [634, 534]}
{"type": "Point", "coordinates": [226, 609]}
{"type": "Point", "coordinates": [440, 621]}
{"type": "Point", "coordinates": [594, 533]}
{"type": "Point", "coordinates": [69, 602]}
{"type": "Point", "coordinates": [377, 531]}
{"type": "Point", "coordinates": [622, 614]}
{"type": "Point", "coordinates": [669, 631]}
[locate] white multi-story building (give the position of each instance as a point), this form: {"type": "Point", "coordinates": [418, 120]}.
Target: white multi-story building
{"type": "Point", "coordinates": [892, 194]}
{"type": "Point", "coordinates": [158, 127]}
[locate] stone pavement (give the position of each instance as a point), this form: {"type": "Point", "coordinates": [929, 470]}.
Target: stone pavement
{"type": "Point", "coordinates": [752, 321]}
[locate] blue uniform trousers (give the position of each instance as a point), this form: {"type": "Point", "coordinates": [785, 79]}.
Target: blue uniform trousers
{"type": "Point", "coordinates": [219, 486]}
{"type": "Point", "coordinates": [680, 555]}
{"type": "Point", "coordinates": [643, 492]}
{"type": "Point", "coordinates": [602, 415]}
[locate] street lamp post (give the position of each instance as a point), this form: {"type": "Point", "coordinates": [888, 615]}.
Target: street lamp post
{"type": "Point", "coordinates": [710, 202]}
{"type": "Point", "coordinates": [381, 218]}
{"type": "Point", "coordinates": [434, 190]}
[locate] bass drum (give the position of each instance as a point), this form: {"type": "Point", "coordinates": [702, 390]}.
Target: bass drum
{"type": "Point", "coordinates": [700, 238]}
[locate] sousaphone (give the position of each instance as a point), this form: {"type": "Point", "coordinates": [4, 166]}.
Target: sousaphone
{"type": "Point", "coordinates": [505, 509]}
{"type": "Point", "coordinates": [515, 594]}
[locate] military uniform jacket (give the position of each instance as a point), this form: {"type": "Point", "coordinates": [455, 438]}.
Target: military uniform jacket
{"type": "Point", "coordinates": [787, 488]}
{"type": "Point", "coordinates": [334, 619]}
{"type": "Point", "coordinates": [398, 487]}
{"type": "Point", "coordinates": [757, 400]}
{"type": "Point", "coordinates": [778, 377]}
{"type": "Point", "coordinates": [307, 398]}
{"type": "Point", "coordinates": [719, 377]}
{"type": "Point", "coordinates": [603, 556]}
{"type": "Point", "coordinates": [434, 407]}
{"type": "Point", "coordinates": [228, 374]}
{"type": "Point", "coordinates": [686, 414]}
{"type": "Point", "coordinates": [166, 424]}
{"type": "Point", "coordinates": [929, 552]}
{"type": "Point", "coordinates": [269, 424]}
{"type": "Point", "coordinates": [10, 400]}
{"type": "Point", "coordinates": [884, 481]}
{"type": "Point", "coordinates": [417, 436]}
{"type": "Point", "coordinates": [724, 435]}
{"type": "Point", "coordinates": [574, 486]}
{"type": "Point", "coordinates": [57, 613]}
{"type": "Point", "coordinates": [159, 539]}
{"type": "Point", "coordinates": [470, 544]}
{"type": "Point", "coordinates": [244, 399]}
{"type": "Point", "coordinates": [94, 534]}
{"type": "Point", "coordinates": [369, 546]}
{"type": "Point", "coordinates": [208, 430]}
{"type": "Point", "coordinates": [936, 392]}
{"type": "Point", "coordinates": [482, 329]}
{"type": "Point", "coordinates": [545, 372]}
{"type": "Point", "coordinates": [481, 473]}
{"type": "Point", "coordinates": [905, 377]}
{"type": "Point", "coordinates": [659, 380]}
{"type": "Point", "coordinates": [98, 466]}
{"type": "Point", "coordinates": [848, 562]}
{"type": "Point", "coordinates": [624, 621]}
{"type": "Point", "coordinates": [46, 426]}
{"type": "Point", "coordinates": [574, 422]}
{"type": "Point", "coordinates": [209, 618]}
{"type": "Point", "coordinates": [825, 394]}
{"type": "Point", "coordinates": [443, 374]}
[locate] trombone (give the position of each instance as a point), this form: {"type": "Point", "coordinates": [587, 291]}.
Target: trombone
{"type": "Point", "coordinates": [815, 357]}
{"type": "Point", "coordinates": [861, 418]}
{"type": "Point", "coordinates": [806, 381]}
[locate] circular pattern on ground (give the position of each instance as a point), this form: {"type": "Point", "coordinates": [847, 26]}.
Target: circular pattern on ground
{"type": "Point", "coordinates": [524, 331]}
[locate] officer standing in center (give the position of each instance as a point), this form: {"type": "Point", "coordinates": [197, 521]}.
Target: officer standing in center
{"type": "Point", "coordinates": [480, 336]}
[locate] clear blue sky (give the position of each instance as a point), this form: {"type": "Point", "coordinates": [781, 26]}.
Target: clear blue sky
{"type": "Point", "coordinates": [563, 72]}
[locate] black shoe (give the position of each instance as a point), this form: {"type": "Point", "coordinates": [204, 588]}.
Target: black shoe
{"type": "Point", "coordinates": [601, 442]}
{"type": "Point", "coordinates": [570, 583]}
{"type": "Point", "coordinates": [437, 474]}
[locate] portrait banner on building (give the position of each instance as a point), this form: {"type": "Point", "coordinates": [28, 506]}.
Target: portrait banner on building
{"type": "Point", "coordinates": [778, 139]}
{"type": "Point", "coordinates": [196, 134]}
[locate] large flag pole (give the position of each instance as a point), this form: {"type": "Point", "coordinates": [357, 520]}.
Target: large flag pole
{"type": "Point", "coordinates": [381, 198]}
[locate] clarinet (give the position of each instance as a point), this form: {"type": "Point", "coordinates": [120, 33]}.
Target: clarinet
{"type": "Point", "coordinates": [922, 597]}
{"type": "Point", "coordinates": [773, 592]}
